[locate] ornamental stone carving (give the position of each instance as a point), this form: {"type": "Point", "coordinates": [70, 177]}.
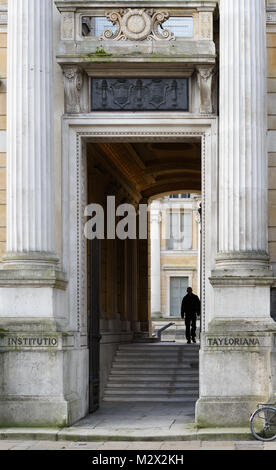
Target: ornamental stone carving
{"type": "Point", "coordinates": [205, 76]}
{"type": "Point", "coordinates": [73, 82]}
{"type": "Point", "coordinates": [138, 25]}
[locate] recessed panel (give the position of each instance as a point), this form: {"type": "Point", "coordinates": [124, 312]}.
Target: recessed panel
{"type": "Point", "coordinates": [139, 94]}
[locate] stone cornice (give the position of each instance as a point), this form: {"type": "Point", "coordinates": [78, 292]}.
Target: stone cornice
{"type": "Point", "coordinates": [71, 5]}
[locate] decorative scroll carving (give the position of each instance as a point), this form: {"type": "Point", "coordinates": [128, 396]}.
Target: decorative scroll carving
{"type": "Point", "coordinates": [138, 25]}
{"type": "Point", "coordinates": [73, 82]}
{"type": "Point", "coordinates": [205, 77]}
{"type": "Point", "coordinates": [142, 94]}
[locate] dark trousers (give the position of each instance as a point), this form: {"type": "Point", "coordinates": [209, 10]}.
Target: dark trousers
{"type": "Point", "coordinates": [190, 323]}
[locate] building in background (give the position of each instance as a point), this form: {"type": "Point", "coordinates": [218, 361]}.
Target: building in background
{"type": "Point", "coordinates": [175, 252]}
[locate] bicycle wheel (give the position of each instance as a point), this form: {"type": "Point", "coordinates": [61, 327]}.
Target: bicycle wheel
{"type": "Point", "coordinates": [263, 424]}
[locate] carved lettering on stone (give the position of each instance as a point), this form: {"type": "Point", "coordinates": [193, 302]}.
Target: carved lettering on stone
{"type": "Point", "coordinates": [73, 82]}
{"type": "Point", "coordinates": [205, 77]}
{"type": "Point", "coordinates": [137, 25]}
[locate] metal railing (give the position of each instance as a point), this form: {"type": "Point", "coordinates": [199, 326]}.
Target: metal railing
{"type": "Point", "coordinates": [161, 330]}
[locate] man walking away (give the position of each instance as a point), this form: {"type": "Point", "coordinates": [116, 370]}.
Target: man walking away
{"type": "Point", "coordinates": [190, 308]}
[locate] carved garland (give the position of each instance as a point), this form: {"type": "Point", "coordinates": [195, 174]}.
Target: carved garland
{"type": "Point", "coordinates": [137, 25]}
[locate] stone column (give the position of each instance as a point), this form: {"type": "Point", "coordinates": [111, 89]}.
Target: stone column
{"type": "Point", "coordinates": [237, 344]}
{"type": "Point", "coordinates": [30, 180]}
{"type": "Point", "coordinates": [33, 308]}
{"type": "Point", "coordinates": [243, 126]}
{"type": "Point", "coordinates": [155, 258]}
{"type": "Point", "coordinates": [242, 259]}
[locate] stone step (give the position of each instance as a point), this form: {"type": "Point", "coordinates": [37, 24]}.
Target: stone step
{"type": "Point", "coordinates": [144, 398]}
{"type": "Point", "coordinates": [160, 393]}
{"type": "Point", "coordinates": [156, 380]}
{"type": "Point", "coordinates": [167, 390]}
{"type": "Point", "coordinates": [153, 354]}
{"type": "Point", "coordinates": [147, 365]}
{"type": "Point", "coordinates": [154, 373]}
{"type": "Point", "coordinates": [162, 352]}
{"type": "Point", "coordinates": [159, 347]}
{"type": "Point", "coordinates": [154, 385]}
{"type": "Point", "coordinates": [172, 361]}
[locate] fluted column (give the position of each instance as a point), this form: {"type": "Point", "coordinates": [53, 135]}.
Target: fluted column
{"type": "Point", "coordinates": [30, 181]}
{"type": "Point", "coordinates": [242, 156]}
{"type": "Point", "coordinates": [155, 257]}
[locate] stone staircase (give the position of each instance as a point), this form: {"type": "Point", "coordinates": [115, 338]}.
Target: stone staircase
{"type": "Point", "coordinates": [154, 372]}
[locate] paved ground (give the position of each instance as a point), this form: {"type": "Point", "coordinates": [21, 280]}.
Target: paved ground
{"type": "Point", "coordinates": [138, 417]}
{"type": "Point", "coordinates": [132, 422]}
{"type": "Point", "coordinates": [121, 446]}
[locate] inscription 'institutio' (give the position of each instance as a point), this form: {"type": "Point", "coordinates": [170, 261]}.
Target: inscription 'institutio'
{"type": "Point", "coordinates": [228, 341]}
{"type": "Point", "coordinates": [33, 341]}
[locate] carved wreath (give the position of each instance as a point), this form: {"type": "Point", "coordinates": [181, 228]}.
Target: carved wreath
{"type": "Point", "coordinates": [137, 25]}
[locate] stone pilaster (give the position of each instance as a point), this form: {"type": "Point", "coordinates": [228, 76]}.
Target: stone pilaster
{"type": "Point", "coordinates": [155, 220]}
{"type": "Point", "coordinates": [30, 181]}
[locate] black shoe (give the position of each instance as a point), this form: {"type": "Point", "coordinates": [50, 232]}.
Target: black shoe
{"type": "Point", "coordinates": [194, 340]}
{"type": "Point", "coordinates": [189, 341]}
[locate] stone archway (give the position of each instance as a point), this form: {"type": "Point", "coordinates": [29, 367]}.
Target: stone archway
{"type": "Point", "coordinates": [76, 133]}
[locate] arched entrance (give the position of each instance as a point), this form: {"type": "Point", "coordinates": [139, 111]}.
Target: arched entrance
{"type": "Point", "coordinates": [113, 135]}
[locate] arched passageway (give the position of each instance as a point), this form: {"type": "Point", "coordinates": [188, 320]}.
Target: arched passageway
{"type": "Point", "coordinates": [119, 283]}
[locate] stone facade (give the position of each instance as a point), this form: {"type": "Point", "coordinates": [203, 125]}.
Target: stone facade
{"type": "Point", "coordinates": [62, 156]}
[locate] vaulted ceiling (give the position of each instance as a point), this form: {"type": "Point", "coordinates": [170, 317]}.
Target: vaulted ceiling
{"type": "Point", "coordinates": [156, 167]}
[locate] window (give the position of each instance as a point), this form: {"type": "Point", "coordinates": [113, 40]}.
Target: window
{"type": "Point", "coordinates": [180, 196]}
{"type": "Point", "coordinates": [178, 288]}
{"type": "Point", "coordinates": [180, 26]}
{"type": "Point", "coordinates": [94, 26]}
{"type": "Point", "coordinates": [180, 231]}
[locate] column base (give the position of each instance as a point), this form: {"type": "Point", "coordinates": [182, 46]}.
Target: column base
{"type": "Point", "coordinates": [226, 412]}
{"type": "Point", "coordinates": [35, 412]}
{"type": "Point", "coordinates": [44, 374]}
{"type": "Point", "coordinates": [30, 260]}
{"type": "Point", "coordinates": [235, 372]}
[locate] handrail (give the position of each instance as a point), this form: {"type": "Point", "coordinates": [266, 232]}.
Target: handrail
{"type": "Point", "coordinates": [160, 331]}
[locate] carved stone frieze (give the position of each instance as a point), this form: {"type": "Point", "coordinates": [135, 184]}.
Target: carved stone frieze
{"type": "Point", "coordinates": [205, 76]}
{"type": "Point", "coordinates": [73, 82]}
{"type": "Point", "coordinates": [137, 25]}
{"type": "Point", "coordinates": [141, 94]}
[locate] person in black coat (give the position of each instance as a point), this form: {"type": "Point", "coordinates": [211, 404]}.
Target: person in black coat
{"type": "Point", "coordinates": [190, 308]}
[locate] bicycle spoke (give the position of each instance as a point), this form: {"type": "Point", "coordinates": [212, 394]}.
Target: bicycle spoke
{"type": "Point", "coordinates": [263, 424]}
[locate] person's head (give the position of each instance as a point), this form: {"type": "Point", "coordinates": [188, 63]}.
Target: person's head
{"type": "Point", "coordinates": [189, 290]}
